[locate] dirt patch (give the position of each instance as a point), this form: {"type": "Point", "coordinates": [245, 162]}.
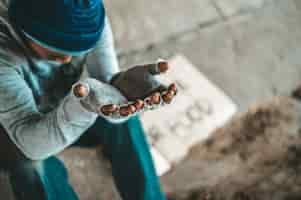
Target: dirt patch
{"type": "Point", "coordinates": [256, 156]}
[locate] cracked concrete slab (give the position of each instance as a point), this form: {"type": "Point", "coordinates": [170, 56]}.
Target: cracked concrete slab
{"type": "Point", "coordinates": [139, 23]}
{"type": "Point", "coordinates": [251, 57]}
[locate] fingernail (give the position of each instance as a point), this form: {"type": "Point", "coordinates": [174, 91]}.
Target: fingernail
{"type": "Point", "coordinates": [109, 109]}
{"type": "Point", "coordinates": [156, 98]}
{"type": "Point", "coordinates": [80, 91]}
{"type": "Point", "coordinates": [163, 66]}
{"type": "Point", "coordinates": [139, 104]}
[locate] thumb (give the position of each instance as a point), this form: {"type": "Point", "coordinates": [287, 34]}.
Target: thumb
{"type": "Point", "coordinates": [157, 68]}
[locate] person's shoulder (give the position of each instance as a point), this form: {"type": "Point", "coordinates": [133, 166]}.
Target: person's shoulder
{"type": "Point", "coordinates": [11, 56]}
{"type": "Point", "coordinates": [11, 50]}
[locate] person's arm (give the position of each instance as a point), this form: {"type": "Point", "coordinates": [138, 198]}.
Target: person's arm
{"type": "Point", "coordinates": [102, 62]}
{"type": "Point", "coordinates": [38, 135]}
{"type": "Point", "coordinates": [136, 84]}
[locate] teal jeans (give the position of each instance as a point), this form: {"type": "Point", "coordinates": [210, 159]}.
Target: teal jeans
{"type": "Point", "coordinates": [124, 145]}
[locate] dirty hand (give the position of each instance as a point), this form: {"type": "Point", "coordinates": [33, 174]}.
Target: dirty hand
{"type": "Point", "coordinates": [140, 83]}
{"type": "Point", "coordinates": [107, 101]}
{"type": "Point", "coordinates": [99, 97]}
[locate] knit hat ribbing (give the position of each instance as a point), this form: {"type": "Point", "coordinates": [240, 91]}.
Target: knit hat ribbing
{"type": "Point", "coordinates": [71, 26]}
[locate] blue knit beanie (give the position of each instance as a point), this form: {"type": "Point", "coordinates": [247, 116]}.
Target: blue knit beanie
{"type": "Point", "coordinates": [71, 26]}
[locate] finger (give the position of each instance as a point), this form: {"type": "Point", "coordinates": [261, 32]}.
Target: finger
{"type": "Point", "coordinates": [139, 104]}
{"type": "Point", "coordinates": [147, 101]}
{"type": "Point", "coordinates": [124, 111]}
{"type": "Point", "coordinates": [157, 68]}
{"type": "Point", "coordinates": [155, 98]}
{"type": "Point", "coordinates": [132, 109]}
{"type": "Point", "coordinates": [127, 110]}
{"type": "Point", "coordinates": [109, 109]}
{"type": "Point", "coordinates": [173, 87]}
{"type": "Point", "coordinates": [168, 96]}
{"type": "Point", "coordinates": [163, 66]}
{"type": "Point", "coordinates": [80, 90]}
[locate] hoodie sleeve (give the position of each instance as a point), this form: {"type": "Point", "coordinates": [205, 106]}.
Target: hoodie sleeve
{"type": "Point", "coordinates": [39, 135]}
{"type": "Point", "coordinates": [102, 62]}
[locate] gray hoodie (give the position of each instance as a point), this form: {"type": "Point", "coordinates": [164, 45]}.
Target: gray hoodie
{"type": "Point", "coordinates": [36, 108]}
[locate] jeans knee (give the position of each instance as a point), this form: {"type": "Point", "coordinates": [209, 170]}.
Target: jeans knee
{"type": "Point", "coordinates": [42, 167]}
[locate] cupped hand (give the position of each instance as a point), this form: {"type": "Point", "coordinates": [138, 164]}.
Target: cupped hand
{"type": "Point", "coordinates": [131, 92]}
{"type": "Point", "coordinates": [140, 82]}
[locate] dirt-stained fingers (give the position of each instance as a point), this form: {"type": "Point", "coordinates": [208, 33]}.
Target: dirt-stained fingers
{"type": "Point", "coordinates": [124, 110]}
{"type": "Point", "coordinates": [155, 100]}
{"type": "Point", "coordinates": [127, 110]}
{"type": "Point", "coordinates": [139, 104]}
{"type": "Point", "coordinates": [109, 109]}
{"type": "Point", "coordinates": [170, 93]}
{"type": "Point", "coordinates": [166, 95]}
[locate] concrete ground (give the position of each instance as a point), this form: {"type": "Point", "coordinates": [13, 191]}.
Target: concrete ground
{"type": "Point", "coordinates": [250, 49]}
